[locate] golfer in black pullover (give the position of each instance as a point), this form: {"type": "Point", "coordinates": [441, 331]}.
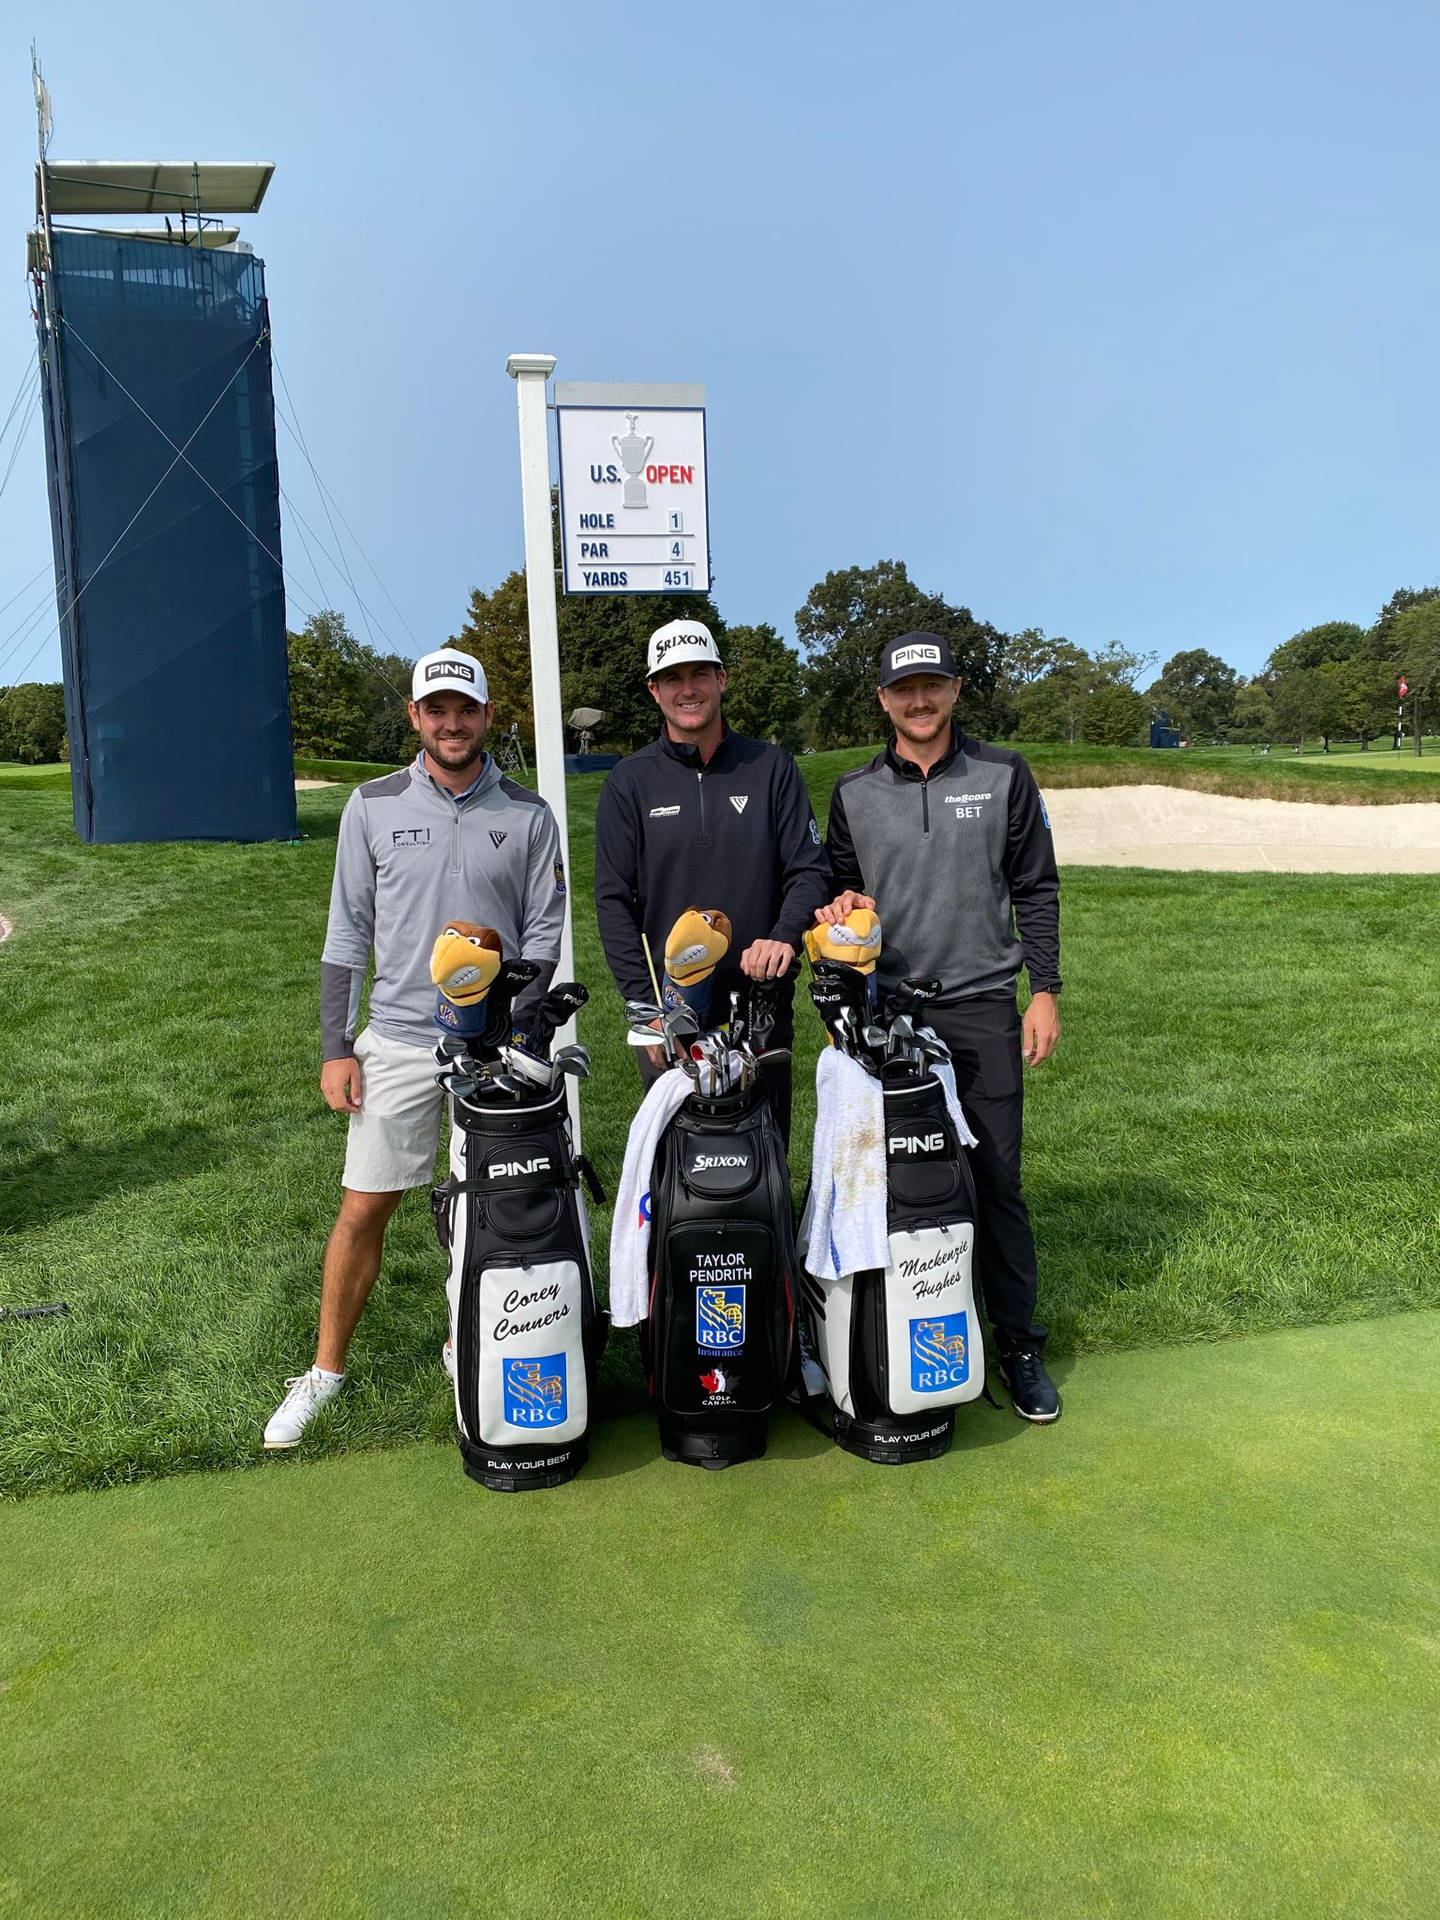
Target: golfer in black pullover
{"type": "Point", "coordinates": [947, 838]}
{"type": "Point", "coordinates": [705, 817]}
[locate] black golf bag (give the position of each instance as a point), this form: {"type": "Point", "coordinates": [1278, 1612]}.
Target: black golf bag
{"type": "Point", "coordinates": [722, 1256]}
{"type": "Point", "coordinates": [902, 1347]}
{"type": "Point", "coordinates": [526, 1330]}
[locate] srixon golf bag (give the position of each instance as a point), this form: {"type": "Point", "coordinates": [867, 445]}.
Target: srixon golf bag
{"type": "Point", "coordinates": [901, 1347]}
{"type": "Point", "coordinates": [722, 1259]}
{"type": "Point", "coordinates": [527, 1335]}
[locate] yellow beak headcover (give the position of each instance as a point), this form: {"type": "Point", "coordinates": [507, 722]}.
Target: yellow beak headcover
{"type": "Point", "coordinates": [695, 946]}
{"type": "Point", "coordinates": [854, 943]}
{"type": "Point", "coordinates": [464, 962]}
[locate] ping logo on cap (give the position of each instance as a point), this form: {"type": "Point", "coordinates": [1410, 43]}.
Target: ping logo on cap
{"type": "Point", "coordinates": [915, 657]}
{"type": "Point", "coordinates": [449, 670]}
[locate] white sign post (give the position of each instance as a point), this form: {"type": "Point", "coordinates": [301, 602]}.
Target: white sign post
{"type": "Point", "coordinates": [530, 371]}
{"type": "Point", "coordinates": [633, 510]}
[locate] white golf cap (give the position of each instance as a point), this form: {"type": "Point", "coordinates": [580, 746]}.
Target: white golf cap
{"type": "Point", "coordinates": [448, 671]}
{"type": "Point", "coordinates": [680, 643]}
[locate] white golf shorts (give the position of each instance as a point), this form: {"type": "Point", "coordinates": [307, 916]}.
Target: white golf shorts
{"type": "Point", "coordinates": [394, 1137]}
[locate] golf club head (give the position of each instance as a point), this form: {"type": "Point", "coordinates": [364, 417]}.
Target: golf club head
{"type": "Point", "coordinates": [836, 990]}
{"type": "Point", "coordinates": [909, 997]}
{"type": "Point", "coordinates": [522, 1065]}
{"type": "Point", "coordinates": [574, 1060]}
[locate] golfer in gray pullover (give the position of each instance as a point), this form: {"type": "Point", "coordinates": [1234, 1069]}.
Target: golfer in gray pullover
{"type": "Point", "coordinates": [447, 837]}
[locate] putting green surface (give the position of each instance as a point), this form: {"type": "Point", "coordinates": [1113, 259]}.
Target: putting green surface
{"type": "Point", "coordinates": [1175, 1656]}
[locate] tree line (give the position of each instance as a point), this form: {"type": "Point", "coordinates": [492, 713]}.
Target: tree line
{"type": "Point", "coordinates": [1335, 680]}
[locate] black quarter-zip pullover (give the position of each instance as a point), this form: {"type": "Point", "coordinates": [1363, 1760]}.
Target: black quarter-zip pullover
{"type": "Point", "coordinates": [735, 832]}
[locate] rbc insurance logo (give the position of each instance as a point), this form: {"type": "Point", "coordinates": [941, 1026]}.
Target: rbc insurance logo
{"type": "Point", "coordinates": [720, 1318]}
{"type": "Point", "coordinates": [535, 1391]}
{"type": "Point", "coordinates": [939, 1353]}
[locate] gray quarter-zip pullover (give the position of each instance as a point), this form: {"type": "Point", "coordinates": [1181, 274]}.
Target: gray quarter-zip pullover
{"type": "Point", "coordinates": [409, 859]}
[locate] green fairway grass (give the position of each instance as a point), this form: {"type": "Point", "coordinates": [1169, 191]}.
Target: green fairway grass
{"type": "Point", "coordinates": [1173, 1657]}
{"type": "Point", "coordinates": [1237, 1133]}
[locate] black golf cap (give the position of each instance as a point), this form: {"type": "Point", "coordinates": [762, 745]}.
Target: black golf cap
{"type": "Point", "coordinates": [916, 653]}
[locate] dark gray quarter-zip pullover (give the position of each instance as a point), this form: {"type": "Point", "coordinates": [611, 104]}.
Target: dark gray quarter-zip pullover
{"type": "Point", "coordinates": [410, 858]}
{"type": "Point", "coordinates": [960, 864]}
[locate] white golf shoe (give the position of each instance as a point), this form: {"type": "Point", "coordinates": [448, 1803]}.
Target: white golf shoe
{"type": "Point", "coordinates": [308, 1392]}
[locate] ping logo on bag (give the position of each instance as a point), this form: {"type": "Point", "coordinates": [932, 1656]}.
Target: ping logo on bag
{"type": "Point", "coordinates": [535, 1391]}
{"type": "Point", "coordinates": [720, 1317]}
{"type": "Point", "coordinates": [516, 1169]}
{"type": "Point", "coordinates": [939, 1353]}
{"type": "Point", "coordinates": [915, 1146]}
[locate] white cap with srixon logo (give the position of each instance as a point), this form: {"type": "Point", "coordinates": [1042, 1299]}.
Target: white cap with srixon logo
{"type": "Point", "coordinates": [448, 671]}
{"type": "Point", "coordinates": [677, 645]}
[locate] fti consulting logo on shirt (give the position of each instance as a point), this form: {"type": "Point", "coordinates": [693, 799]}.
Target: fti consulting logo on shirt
{"type": "Point", "coordinates": [939, 1352]}
{"type": "Point", "coordinates": [535, 1390]}
{"type": "Point", "coordinates": [720, 1318]}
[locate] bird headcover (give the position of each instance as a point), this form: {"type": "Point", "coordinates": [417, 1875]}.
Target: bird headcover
{"type": "Point", "coordinates": [464, 962]}
{"type": "Point", "coordinates": [854, 942]}
{"type": "Point", "coordinates": [694, 947]}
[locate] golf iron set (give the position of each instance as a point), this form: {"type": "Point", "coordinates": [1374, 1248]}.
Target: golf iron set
{"type": "Point", "coordinates": [883, 1037]}
{"type": "Point", "coordinates": [722, 1060]}
{"type": "Point", "coordinates": [506, 1063]}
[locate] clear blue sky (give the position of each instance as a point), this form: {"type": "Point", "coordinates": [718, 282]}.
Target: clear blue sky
{"type": "Point", "coordinates": [1117, 320]}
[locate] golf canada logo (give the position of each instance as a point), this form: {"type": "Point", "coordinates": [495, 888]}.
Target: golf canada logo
{"type": "Point", "coordinates": [720, 1318]}
{"type": "Point", "coordinates": [739, 801]}
{"type": "Point", "coordinates": [939, 1352]}
{"type": "Point", "coordinates": [534, 1388]}
{"type": "Point", "coordinates": [498, 837]}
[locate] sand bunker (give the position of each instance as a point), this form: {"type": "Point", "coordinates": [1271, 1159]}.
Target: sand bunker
{"type": "Point", "coordinates": [1172, 827]}
{"type": "Point", "coordinates": [303, 786]}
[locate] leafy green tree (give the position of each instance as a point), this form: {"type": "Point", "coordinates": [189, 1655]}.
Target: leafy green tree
{"type": "Point", "coordinates": [1334, 640]}
{"type": "Point", "coordinates": [497, 633]}
{"type": "Point", "coordinates": [1416, 636]}
{"type": "Point", "coordinates": [32, 723]}
{"type": "Point", "coordinates": [328, 703]}
{"type": "Point", "coordinates": [845, 621]}
{"type": "Point", "coordinates": [1198, 689]}
{"type": "Point", "coordinates": [763, 694]}
{"type": "Point", "coordinates": [1113, 715]}
{"type": "Point", "coordinates": [1308, 701]}
{"type": "Point", "coordinates": [1369, 692]}
{"type": "Point", "coordinates": [1380, 641]}
{"type": "Point", "coordinates": [1252, 718]}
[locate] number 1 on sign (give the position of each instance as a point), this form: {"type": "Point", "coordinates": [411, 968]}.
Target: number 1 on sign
{"type": "Point", "coordinates": [677, 523]}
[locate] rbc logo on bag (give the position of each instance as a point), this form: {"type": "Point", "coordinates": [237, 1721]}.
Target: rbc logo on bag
{"type": "Point", "coordinates": [939, 1353]}
{"type": "Point", "coordinates": [535, 1391]}
{"type": "Point", "coordinates": [720, 1317]}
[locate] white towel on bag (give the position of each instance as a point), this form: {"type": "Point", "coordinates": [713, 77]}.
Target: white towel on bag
{"type": "Point", "coordinates": [630, 1228]}
{"type": "Point", "coordinates": [847, 1216]}
{"type": "Point", "coordinates": [944, 1072]}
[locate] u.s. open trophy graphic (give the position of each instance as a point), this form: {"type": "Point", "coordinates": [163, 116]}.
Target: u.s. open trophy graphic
{"type": "Point", "coordinates": [633, 450]}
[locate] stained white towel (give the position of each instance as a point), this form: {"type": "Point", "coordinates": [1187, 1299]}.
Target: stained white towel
{"type": "Point", "coordinates": [630, 1228]}
{"type": "Point", "coordinates": [847, 1171]}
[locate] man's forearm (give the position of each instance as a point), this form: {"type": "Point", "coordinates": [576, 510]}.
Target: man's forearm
{"type": "Point", "coordinates": [339, 1009]}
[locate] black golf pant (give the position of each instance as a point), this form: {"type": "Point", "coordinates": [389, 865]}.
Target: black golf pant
{"type": "Point", "coordinates": [983, 1035]}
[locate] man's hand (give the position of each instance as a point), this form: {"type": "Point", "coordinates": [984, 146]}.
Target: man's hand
{"type": "Point", "coordinates": [342, 1085]}
{"type": "Point", "coordinates": [1041, 1031]}
{"type": "Point", "coordinates": [843, 904]}
{"type": "Point", "coordinates": [766, 959]}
